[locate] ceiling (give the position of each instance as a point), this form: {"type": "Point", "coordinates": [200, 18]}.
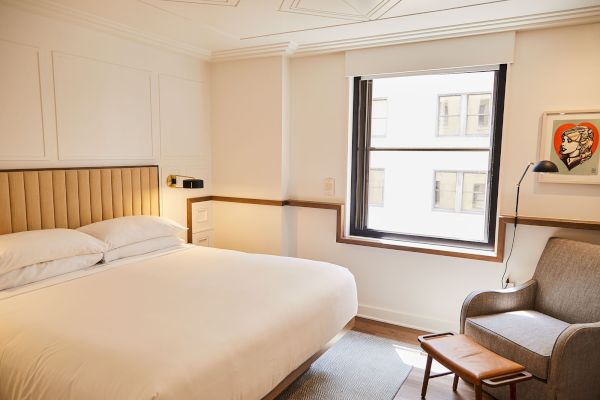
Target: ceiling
{"type": "Point", "coordinates": [234, 28]}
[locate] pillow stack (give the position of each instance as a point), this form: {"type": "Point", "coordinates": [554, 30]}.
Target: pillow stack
{"type": "Point", "coordinates": [135, 235]}
{"type": "Point", "coordinates": [27, 257]}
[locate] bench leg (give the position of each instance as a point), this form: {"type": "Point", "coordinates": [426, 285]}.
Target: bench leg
{"type": "Point", "coordinates": [513, 391]}
{"type": "Point", "coordinates": [455, 383]}
{"type": "Point", "coordinates": [426, 376]}
{"type": "Point", "coordinates": [478, 392]}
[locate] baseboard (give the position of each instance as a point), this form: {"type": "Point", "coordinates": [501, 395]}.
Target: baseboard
{"type": "Point", "coordinates": [407, 320]}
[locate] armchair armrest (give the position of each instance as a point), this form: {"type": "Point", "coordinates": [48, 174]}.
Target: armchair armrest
{"type": "Point", "coordinates": [496, 301]}
{"type": "Point", "coordinates": [575, 362]}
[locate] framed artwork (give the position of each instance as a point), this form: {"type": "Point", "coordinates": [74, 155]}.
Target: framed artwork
{"type": "Point", "coordinates": [570, 140]}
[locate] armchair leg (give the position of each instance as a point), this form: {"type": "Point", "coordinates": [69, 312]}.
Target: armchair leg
{"type": "Point", "coordinates": [478, 392]}
{"type": "Point", "coordinates": [455, 383]}
{"type": "Point", "coordinates": [426, 376]}
{"type": "Point", "coordinates": [513, 391]}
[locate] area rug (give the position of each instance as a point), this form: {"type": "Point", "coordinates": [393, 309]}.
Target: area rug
{"type": "Point", "coordinates": [357, 367]}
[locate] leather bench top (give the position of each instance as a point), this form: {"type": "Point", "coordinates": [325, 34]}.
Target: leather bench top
{"type": "Point", "coordinates": [469, 359]}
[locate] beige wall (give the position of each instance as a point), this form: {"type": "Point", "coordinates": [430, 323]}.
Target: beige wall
{"type": "Point", "coordinates": [552, 70]}
{"type": "Point", "coordinates": [248, 123]}
{"type": "Point", "coordinates": [250, 144]}
{"type": "Point", "coordinates": [73, 96]}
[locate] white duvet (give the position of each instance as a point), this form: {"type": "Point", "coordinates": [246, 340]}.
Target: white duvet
{"type": "Point", "coordinates": [197, 323]}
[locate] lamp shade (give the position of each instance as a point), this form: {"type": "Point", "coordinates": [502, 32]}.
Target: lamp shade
{"type": "Point", "coordinates": [193, 183]}
{"type": "Point", "coordinates": [545, 166]}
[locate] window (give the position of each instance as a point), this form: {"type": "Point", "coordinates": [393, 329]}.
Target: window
{"type": "Point", "coordinates": [376, 186]}
{"type": "Point", "coordinates": [379, 115]}
{"type": "Point", "coordinates": [444, 127]}
{"type": "Point", "coordinates": [464, 114]}
{"type": "Point", "coordinates": [460, 191]}
{"type": "Point", "coordinates": [449, 115]}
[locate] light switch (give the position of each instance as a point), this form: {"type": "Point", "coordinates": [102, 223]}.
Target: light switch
{"type": "Point", "coordinates": [329, 187]}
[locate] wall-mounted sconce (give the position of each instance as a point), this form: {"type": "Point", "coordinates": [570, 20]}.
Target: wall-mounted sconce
{"type": "Point", "coordinates": [184, 182]}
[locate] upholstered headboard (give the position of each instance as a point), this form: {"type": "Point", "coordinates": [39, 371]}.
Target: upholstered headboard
{"type": "Point", "coordinates": [70, 198]}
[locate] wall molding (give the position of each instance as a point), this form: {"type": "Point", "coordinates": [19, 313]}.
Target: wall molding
{"type": "Point", "coordinates": [40, 101]}
{"type": "Point", "coordinates": [50, 9]}
{"type": "Point", "coordinates": [341, 237]}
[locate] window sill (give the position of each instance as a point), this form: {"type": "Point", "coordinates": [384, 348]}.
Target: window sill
{"type": "Point", "coordinates": [450, 251]}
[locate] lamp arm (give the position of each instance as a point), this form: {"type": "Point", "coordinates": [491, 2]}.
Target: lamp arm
{"type": "Point", "coordinates": [519, 192]}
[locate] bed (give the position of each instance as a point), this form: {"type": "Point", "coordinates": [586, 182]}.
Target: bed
{"type": "Point", "coordinates": [182, 323]}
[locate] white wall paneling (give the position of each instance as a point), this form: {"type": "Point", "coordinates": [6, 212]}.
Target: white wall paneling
{"type": "Point", "coordinates": [100, 97]}
{"type": "Point", "coordinates": [103, 110]}
{"type": "Point", "coordinates": [21, 117]}
{"type": "Point", "coordinates": [183, 117]}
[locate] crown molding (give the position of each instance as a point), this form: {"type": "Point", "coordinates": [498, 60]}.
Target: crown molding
{"type": "Point", "coordinates": [50, 9]}
{"type": "Point", "coordinates": [538, 21]}
{"type": "Point", "coordinates": [277, 49]}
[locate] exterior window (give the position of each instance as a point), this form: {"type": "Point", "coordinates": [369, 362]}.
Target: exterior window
{"type": "Point", "coordinates": [460, 191]}
{"type": "Point", "coordinates": [478, 114]}
{"type": "Point", "coordinates": [379, 117]}
{"type": "Point", "coordinates": [376, 186]}
{"type": "Point", "coordinates": [445, 190]}
{"type": "Point", "coordinates": [449, 115]}
{"type": "Point", "coordinates": [442, 134]}
{"type": "Point", "coordinates": [464, 114]}
{"type": "Point", "coordinates": [474, 191]}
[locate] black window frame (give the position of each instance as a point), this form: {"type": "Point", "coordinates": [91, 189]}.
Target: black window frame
{"type": "Point", "coordinates": [361, 140]}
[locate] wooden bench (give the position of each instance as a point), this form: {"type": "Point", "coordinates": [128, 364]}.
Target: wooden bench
{"type": "Point", "coordinates": [472, 362]}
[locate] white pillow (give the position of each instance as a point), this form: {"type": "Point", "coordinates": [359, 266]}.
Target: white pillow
{"type": "Point", "coordinates": [37, 272]}
{"type": "Point", "coordinates": [18, 250]}
{"type": "Point", "coordinates": [147, 246]}
{"type": "Point", "coordinates": [119, 232]}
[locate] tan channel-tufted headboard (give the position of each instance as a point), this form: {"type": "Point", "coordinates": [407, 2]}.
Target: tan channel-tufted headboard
{"type": "Point", "coordinates": [70, 198]}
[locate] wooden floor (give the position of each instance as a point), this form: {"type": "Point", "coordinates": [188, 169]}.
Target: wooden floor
{"type": "Point", "coordinates": [439, 388]}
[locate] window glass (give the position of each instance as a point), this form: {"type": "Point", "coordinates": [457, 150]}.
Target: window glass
{"type": "Point", "coordinates": [423, 175]}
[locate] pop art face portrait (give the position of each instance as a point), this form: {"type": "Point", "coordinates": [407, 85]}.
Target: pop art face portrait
{"type": "Point", "coordinates": [576, 145]}
{"type": "Point", "coordinates": [571, 140]}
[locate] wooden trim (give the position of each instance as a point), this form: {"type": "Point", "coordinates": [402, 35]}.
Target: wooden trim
{"type": "Point", "coordinates": [291, 378]}
{"type": "Point", "coordinates": [249, 201]}
{"type": "Point", "coordinates": [558, 223]}
{"type": "Point", "coordinates": [341, 237]}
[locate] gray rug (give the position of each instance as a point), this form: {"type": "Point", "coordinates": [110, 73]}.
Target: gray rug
{"type": "Point", "coordinates": [358, 367]}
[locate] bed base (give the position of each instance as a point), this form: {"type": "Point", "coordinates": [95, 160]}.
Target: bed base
{"type": "Point", "coordinates": [297, 373]}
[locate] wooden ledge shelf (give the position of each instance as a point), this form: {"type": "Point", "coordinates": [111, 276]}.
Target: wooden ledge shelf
{"type": "Point", "coordinates": [497, 256]}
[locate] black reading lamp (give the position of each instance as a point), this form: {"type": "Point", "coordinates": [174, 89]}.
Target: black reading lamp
{"type": "Point", "coordinates": [189, 183]}
{"type": "Point", "coordinates": [540, 166]}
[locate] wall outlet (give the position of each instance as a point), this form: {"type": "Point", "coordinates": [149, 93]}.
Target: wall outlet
{"type": "Point", "coordinates": [329, 187]}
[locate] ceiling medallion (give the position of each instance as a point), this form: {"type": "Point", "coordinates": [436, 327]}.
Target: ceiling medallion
{"type": "Point", "coordinates": [355, 10]}
{"type": "Point", "coordinates": [226, 3]}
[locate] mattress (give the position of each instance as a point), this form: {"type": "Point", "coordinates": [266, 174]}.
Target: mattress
{"type": "Point", "coordinates": [191, 323]}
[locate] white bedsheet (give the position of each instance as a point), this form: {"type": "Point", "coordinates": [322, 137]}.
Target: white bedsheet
{"type": "Point", "coordinates": [196, 323]}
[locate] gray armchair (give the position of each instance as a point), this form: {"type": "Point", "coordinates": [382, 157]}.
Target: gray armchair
{"type": "Point", "coordinates": [550, 324]}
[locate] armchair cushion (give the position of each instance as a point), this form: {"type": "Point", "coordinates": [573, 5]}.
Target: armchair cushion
{"type": "Point", "coordinates": [526, 337]}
